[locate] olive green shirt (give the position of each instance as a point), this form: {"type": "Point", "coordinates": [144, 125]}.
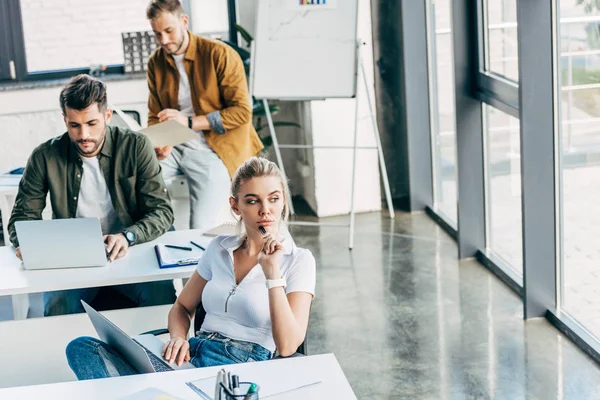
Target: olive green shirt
{"type": "Point", "coordinates": [130, 168]}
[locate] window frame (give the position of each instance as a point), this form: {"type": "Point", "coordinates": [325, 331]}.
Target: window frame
{"type": "Point", "coordinates": [11, 27]}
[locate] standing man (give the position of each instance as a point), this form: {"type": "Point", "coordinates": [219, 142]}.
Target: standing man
{"type": "Point", "coordinates": [200, 83]}
{"type": "Point", "coordinates": [97, 171]}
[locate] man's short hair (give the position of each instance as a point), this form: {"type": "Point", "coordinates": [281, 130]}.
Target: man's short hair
{"type": "Point", "coordinates": [157, 7]}
{"type": "Point", "coordinates": [81, 92]}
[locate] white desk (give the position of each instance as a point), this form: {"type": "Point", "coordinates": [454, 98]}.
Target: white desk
{"type": "Point", "coordinates": [139, 265]}
{"type": "Point", "coordinates": [268, 374]}
{"type": "Point", "coordinates": [33, 350]}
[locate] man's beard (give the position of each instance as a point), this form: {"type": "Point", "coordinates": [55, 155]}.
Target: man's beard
{"type": "Point", "coordinates": [180, 44]}
{"type": "Point", "coordinates": [98, 143]}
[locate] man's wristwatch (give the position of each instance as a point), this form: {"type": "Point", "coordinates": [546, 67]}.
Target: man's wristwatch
{"type": "Point", "coordinates": [130, 236]}
{"type": "Point", "coordinates": [190, 122]}
{"type": "Point", "coordinates": [273, 283]}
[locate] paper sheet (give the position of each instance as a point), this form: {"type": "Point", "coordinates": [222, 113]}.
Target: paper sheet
{"type": "Point", "coordinates": [276, 387]}
{"type": "Point", "coordinates": [226, 228]}
{"type": "Point", "coordinates": [168, 133]}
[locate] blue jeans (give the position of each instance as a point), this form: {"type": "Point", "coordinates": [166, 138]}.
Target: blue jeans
{"type": "Point", "coordinates": [141, 294]}
{"type": "Point", "coordinates": [91, 358]}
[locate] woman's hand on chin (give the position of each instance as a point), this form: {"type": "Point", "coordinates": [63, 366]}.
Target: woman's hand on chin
{"type": "Point", "coordinates": [270, 256]}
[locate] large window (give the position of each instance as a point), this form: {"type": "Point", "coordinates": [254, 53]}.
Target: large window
{"type": "Point", "coordinates": [442, 94]}
{"type": "Point", "coordinates": [53, 39]}
{"type": "Point", "coordinates": [78, 34]}
{"type": "Point", "coordinates": [503, 187]}
{"type": "Point", "coordinates": [501, 49]}
{"type": "Point", "coordinates": [579, 100]}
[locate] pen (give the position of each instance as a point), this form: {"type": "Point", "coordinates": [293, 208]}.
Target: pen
{"type": "Point", "coordinates": [197, 245]}
{"type": "Point", "coordinates": [235, 385]}
{"type": "Point", "coordinates": [178, 247]}
{"type": "Point", "coordinates": [262, 230]}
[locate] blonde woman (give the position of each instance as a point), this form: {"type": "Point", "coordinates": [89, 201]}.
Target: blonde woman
{"type": "Point", "coordinates": [256, 288]}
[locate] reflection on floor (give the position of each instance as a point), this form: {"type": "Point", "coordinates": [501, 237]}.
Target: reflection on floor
{"type": "Point", "coordinates": [406, 320]}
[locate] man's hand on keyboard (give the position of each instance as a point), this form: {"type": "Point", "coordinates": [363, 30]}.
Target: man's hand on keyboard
{"type": "Point", "coordinates": [176, 350]}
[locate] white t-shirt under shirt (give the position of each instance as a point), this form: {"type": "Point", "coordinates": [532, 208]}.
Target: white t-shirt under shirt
{"type": "Point", "coordinates": [184, 98]}
{"type": "Point", "coordinates": [94, 198]}
{"type": "Point", "coordinates": [248, 317]}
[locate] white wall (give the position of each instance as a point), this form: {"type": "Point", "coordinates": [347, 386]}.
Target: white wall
{"type": "Point", "coordinates": [29, 117]}
{"type": "Point", "coordinates": [209, 16]}
{"type": "Point", "coordinates": [333, 124]}
{"type": "Point", "coordinates": [247, 15]}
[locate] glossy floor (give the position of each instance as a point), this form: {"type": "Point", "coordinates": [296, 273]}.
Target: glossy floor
{"type": "Point", "coordinates": [407, 320]}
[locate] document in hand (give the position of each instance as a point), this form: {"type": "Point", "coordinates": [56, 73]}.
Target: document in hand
{"type": "Point", "coordinates": [168, 133]}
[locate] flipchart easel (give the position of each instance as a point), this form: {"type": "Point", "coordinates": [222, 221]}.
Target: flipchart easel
{"type": "Point", "coordinates": [360, 72]}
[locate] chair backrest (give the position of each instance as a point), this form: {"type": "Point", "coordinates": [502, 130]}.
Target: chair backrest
{"type": "Point", "coordinates": [201, 314]}
{"type": "Point", "coordinates": [199, 318]}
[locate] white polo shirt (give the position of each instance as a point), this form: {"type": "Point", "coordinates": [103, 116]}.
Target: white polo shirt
{"type": "Point", "coordinates": [247, 317]}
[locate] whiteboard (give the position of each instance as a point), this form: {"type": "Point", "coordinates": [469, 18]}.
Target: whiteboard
{"type": "Point", "coordinates": [304, 52]}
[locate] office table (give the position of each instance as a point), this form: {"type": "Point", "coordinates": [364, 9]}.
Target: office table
{"type": "Point", "coordinates": [272, 376]}
{"type": "Point", "coordinates": [139, 265]}
{"type": "Point", "coordinates": [33, 350]}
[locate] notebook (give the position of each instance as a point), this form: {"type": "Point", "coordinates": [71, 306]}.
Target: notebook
{"type": "Point", "coordinates": [226, 228]}
{"type": "Point", "coordinates": [169, 257]}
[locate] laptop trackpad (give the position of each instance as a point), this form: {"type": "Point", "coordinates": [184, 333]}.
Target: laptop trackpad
{"type": "Point", "coordinates": [155, 345]}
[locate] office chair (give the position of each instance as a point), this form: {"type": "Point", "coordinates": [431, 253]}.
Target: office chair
{"type": "Point", "coordinates": [199, 318]}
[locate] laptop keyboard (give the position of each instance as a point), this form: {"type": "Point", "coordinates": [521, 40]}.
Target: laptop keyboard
{"type": "Point", "coordinates": [158, 363]}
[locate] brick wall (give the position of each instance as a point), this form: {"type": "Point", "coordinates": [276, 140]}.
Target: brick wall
{"type": "Point", "coordinates": [62, 34]}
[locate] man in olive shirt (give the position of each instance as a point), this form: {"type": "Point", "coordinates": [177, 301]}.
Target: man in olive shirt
{"type": "Point", "coordinates": [97, 171]}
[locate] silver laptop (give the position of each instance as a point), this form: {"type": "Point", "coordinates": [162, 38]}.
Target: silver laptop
{"type": "Point", "coordinates": [61, 243]}
{"type": "Point", "coordinates": [143, 352]}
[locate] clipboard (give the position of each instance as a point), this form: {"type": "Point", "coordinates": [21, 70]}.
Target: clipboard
{"type": "Point", "coordinates": [169, 258]}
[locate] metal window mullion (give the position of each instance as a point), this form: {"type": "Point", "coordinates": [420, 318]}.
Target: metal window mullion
{"type": "Point", "coordinates": [537, 94]}
{"type": "Point", "coordinates": [416, 100]}
{"type": "Point", "coordinates": [436, 181]}
{"type": "Point", "coordinates": [483, 60]}
{"type": "Point", "coordinates": [466, 20]}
